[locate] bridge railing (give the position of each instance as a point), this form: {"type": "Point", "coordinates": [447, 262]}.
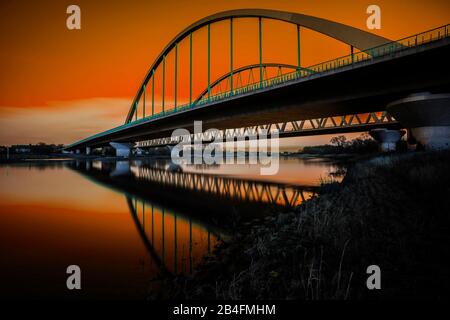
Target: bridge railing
{"type": "Point", "coordinates": [355, 59]}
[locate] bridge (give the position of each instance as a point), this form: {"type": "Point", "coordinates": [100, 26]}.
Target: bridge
{"type": "Point", "coordinates": [347, 94]}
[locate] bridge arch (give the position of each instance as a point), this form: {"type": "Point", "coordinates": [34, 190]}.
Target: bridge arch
{"type": "Point", "coordinates": [242, 69]}
{"type": "Point", "coordinates": [354, 37]}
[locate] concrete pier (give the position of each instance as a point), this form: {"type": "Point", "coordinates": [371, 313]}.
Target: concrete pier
{"type": "Point", "coordinates": [428, 117]}
{"type": "Point", "coordinates": [122, 149]}
{"type": "Point", "coordinates": [386, 138]}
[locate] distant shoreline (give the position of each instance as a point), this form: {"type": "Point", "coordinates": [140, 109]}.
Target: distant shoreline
{"type": "Point", "coordinates": [66, 157]}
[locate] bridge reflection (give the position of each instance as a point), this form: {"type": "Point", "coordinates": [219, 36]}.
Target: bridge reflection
{"type": "Point", "coordinates": [228, 188]}
{"type": "Point", "coordinates": [181, 216]}
{"type": "Point", "coordinates": [176, 243]}
{"type": "Point", "coordinates": [135, 174]}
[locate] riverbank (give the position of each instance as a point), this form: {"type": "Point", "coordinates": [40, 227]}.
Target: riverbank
{"type": "Point", "coordinates": [390, 210]}
{"type": "Point", "coordinates": [14, 158]}
{"type": "Point", "coordinates": [331, 156]}
{"type": "Point", "coordinates": [82, 157]}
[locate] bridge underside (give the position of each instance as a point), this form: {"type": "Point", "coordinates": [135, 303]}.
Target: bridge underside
{"type": "Point", "coordinates": [366, 87]}
{"type": "Point", "coordinates": [300, 128]}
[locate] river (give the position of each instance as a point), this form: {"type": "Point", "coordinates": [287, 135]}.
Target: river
{"type": "Point", "coordinates": [126, 223]}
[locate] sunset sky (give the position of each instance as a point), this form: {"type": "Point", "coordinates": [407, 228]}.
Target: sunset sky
{"type": "Point", "coordinates": [59, 85]}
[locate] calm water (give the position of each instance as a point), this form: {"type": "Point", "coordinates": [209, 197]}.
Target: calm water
{"type": "Point", "coordinates": [128, 223]}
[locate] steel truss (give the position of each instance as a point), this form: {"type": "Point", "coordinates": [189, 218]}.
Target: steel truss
{"type": "Point", "coordinates": [365, 121]}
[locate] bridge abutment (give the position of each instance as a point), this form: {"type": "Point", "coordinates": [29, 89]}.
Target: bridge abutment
{"type": "Point", "coordinates": [427, 116]}
{"type": "Point", "coordinates": [122, 149]}
{"type": "Point", "coordinates": [386, 138]}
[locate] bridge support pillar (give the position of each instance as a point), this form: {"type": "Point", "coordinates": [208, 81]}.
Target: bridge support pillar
{"type": "Point", "coordinates": [122, 149]}
{"type": "Point", "coordinates": [88, 150]}
{"type": "Point", "coordinates": [386, 138]}
{"type": "Point", "coordinates": [427, 116]}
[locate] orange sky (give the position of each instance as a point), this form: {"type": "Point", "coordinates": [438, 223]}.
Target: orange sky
{"type": "Point", "coordinates": [58, 85]}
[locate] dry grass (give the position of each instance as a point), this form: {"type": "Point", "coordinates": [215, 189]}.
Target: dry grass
{"type": "Point", "coordinates": [392, 211]}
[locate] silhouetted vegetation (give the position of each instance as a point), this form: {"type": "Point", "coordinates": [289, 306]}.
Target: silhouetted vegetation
{"type": "Point", "coordinates": [40, 148]}
{"type": "Point", "coordinates": [340, 144]}
{"type": "Point", "coordinates": [24, 151]}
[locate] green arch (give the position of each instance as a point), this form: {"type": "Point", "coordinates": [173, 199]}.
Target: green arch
{"type": "Point", "coordinates": [355, 37]}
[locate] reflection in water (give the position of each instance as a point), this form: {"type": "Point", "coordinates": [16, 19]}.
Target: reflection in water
{"type": "Point", "coordinates": [173, 240]}
{"type": "Point", "coordinates": [146, 222]}
{"type": "Point", "coordinates": [231, 189]}
{"type": "Point", "coordinates": [175, 243]}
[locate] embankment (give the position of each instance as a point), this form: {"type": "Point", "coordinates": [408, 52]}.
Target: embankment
{"type": "Point", "coordinates": [392, 211]}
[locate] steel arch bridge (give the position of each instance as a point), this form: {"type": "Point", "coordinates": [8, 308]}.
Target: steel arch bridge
{"type": "Point", "coordinates": [267, 95]}
{"type": "Point", "coordinates": [354, 37]}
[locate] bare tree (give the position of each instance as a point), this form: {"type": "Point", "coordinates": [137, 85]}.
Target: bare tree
{"type": "Point", "coordinates": [340, 141]}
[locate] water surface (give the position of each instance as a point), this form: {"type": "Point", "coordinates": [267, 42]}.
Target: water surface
{"type": "Point", "coordinates": [128, 223]}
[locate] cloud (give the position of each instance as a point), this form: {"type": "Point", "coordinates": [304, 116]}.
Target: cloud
{"type": "Point", "coordinates": [61, 122]}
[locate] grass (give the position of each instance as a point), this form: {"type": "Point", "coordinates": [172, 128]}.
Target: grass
{"type": "Point", "coordinates": [392, 211]}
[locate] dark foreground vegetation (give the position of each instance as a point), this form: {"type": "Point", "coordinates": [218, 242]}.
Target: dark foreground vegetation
{"type": "Point", "coordinates": [392, 211]}
{"type": "Point", "coordinates": [363, 144]}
